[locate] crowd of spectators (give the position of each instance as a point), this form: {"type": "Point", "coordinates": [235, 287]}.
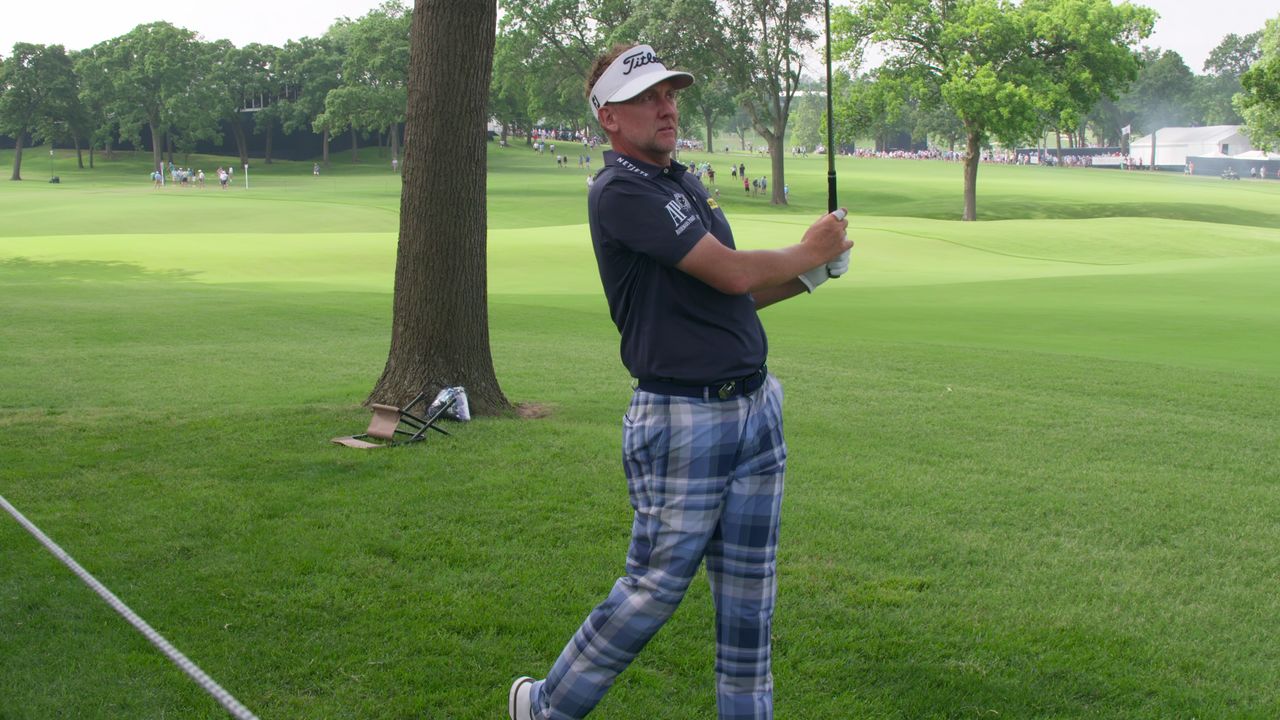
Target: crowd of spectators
{"type": "Point", "coordinates": [996, 156]}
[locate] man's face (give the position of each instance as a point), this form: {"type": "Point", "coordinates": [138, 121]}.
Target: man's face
{"type": "Point", "coordinates": [644, 127]}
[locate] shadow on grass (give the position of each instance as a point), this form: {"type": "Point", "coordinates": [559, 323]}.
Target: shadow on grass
{"type": "Point", "coordinates": [1014, 208]}
{"type": "Point", "coordinates": [1194, 212]}
{"type": "Point", "coordinates": [26, 270]}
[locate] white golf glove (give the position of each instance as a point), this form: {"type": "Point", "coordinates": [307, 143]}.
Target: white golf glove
{"type": "Point", "coordinates": [839, 266]}
{"type": "Point", "coordinates": [815, 277]}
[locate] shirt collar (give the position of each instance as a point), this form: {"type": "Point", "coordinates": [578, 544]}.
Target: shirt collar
{"type": "Point", "coordinates": [642, 168]}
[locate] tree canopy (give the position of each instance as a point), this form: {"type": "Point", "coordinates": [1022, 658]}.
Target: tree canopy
{"type": "Point", "coordinates": [1007, 71]}
{"type": "Point", "coordinates": [37, 91]}
{"type": "Point", "coordinates": [971, 72]}
{"type": "Point", "coordinates": [1259, 101]}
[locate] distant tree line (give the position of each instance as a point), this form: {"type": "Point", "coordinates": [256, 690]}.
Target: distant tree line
{"type": "Point", "coordinates": [959, 74]}
{"type": "Point", "coordinates": [162, 87]}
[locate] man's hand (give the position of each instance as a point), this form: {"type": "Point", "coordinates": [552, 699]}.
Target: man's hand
{"type": "Point", "coordinates": [828, 237]}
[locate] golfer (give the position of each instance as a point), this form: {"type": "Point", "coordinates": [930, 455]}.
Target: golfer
{"type": "Point", "coordinates": [702, 439]}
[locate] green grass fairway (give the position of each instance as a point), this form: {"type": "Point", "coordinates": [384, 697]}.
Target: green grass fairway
{"type": "Point", "coordinates": [1034, 461]}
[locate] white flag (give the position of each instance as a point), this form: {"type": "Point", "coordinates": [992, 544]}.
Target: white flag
{"type": "Point", "coordinates": [1125, 130]}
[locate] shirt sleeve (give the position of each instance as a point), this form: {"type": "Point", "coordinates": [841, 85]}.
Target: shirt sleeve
{"type": "Point", "coordinates": [647, 221]}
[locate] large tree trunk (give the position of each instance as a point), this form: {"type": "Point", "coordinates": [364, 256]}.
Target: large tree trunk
{"type": "Point", "coordinates": [90, 156]}
{"type": "Point", "coordinates": [355, 155]}
{"type": "Point", "coordinates": [325, 151]}
{"type": "Point", "coordinates": [79, 153]}
{"type": "Point", "coordinates": [242, 143]}
{"type": "Point", "coordinates": [17, 157]}
{"type": "Point", "coordinates": [157, 147]}
{"type": "Point", "coordinates": [440, 313]}
{"type": "Point", "coordinates": [973, 153]}
{"type": "Point", "coordinates": [773, 136]}
{"type": "Point", "coordinates": [777, 182]}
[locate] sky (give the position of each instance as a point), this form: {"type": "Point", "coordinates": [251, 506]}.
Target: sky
{"type": "Point", "coordinates": [1191, 27]}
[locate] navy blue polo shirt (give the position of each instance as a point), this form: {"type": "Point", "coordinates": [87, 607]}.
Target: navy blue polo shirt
{"type": "Point", "coordinates": [644, 219]}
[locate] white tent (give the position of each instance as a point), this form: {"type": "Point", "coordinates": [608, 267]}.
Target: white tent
{"type": "Point", "coordinates": [1173, 145]}
{"type": "Point", "coordinates": [1257, 155]}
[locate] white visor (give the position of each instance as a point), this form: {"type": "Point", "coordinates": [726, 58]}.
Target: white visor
{"type": "Point", "coordinates": [635, 71]}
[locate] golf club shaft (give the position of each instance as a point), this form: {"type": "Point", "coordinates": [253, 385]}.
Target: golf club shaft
{"type": "Point", "coordinates": [832, 201]}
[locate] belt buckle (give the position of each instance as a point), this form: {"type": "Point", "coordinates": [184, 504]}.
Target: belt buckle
{"type": "Point", "coordinates": [727, 389]}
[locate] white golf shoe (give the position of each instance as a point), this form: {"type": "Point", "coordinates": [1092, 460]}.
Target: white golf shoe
{"type": "Point", "coordinates": [519, 704]}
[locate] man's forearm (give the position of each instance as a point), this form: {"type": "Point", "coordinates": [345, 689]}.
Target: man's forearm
{"type": "Point", "coordinates": [768, 296]}
{"type": "Point", "coordinates": [738, 272]}
{"type": "Point", "coordinates": [774, 268]}
{"type": "Point", "coordinates": [748, 271]}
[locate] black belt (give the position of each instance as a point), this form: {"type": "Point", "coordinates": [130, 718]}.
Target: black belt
{"type": "Point", "coordinates": [718, 390]}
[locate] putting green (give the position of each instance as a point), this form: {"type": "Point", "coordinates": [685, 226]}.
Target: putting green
{"type": "Point", "coordinates": [1152, 289]}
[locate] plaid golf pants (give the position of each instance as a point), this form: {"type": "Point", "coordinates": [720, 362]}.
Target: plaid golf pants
{"type": "Point", "coordinates": [705, 479]}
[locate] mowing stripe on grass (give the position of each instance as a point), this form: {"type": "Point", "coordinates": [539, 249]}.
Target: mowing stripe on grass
{"type": "Point", "coordinates": [223, 697]}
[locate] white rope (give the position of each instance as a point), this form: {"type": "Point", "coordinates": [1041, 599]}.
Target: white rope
{"type": "Point", "coordinates": [223, 697]}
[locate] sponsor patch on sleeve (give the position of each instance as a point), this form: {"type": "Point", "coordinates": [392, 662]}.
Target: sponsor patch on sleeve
{"type": "Point", "coordinates": [681, 216]}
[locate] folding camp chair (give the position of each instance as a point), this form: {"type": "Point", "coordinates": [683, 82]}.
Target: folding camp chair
{"type": "Point", "coordinates": [398, 426]}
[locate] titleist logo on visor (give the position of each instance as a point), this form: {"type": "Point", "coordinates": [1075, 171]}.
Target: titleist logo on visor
{"type": "Point", "coordinates": [638, 60]}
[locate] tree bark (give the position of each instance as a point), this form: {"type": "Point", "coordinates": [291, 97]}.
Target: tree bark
{"type": "Point", "coordinates": [242, 143]}
{"type": "Point", "coordinates": [440, 315]}
{"type": "Point", "coordinates": [79, 155]}
{"type": "Point", "coordinates": [90, 156]}
{"type": "Point", "coordinates": [325, 151]}
{"type": "Point", "coordinates": [157, 147]}
{"type": "Point", "coordinates": [355, 155]}
{"type": "Point", "coordinates": [17, 157]}
{"type": "Point", "coordinates": [773, 136]}
{"type": "Point", "coordinates": [973, 153]}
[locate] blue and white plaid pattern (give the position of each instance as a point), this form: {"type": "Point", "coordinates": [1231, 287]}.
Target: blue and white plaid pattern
{"type": "Point", "coordinates": [705, 479]}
